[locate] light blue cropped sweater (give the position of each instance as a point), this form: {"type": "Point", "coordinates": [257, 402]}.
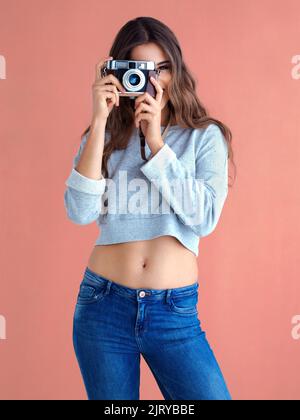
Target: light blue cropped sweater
{"type": "Point", "coordinates": [180, 191]}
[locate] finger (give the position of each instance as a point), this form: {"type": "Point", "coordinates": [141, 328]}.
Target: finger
{"type": "Point", "coordinates": [143, 110]}
{"type": "Point", "coordinates": [158, 88]}
{"type": "Point", "coordinates": [111, 80]}
{"type": "Point", "coordinates": [110, 95]}
{"type": "Point", "coordinates": [116, 81]}
{"type": "Point", "coordinates": [143, 107]}
{"type": "Point", "coordinates": [99, 65]}
{"type": "Point", "coordinates": [113, 100]}
{"type": "Point", "coordinates": [147, 98]}
{"type": "Point", "coordinates": [142, 117]}
{"type": "Point", "coordinates": [144, 97]}
{"type": "Point", "coordinates": [108, 87]}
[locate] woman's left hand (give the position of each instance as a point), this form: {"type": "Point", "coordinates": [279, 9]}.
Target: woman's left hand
{"type": "Point", "coordinates": [151, 118]}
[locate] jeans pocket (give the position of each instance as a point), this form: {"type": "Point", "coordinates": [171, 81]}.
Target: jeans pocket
{"type": "Point", "coordinates": [90, 293]}
{"type": "Point", "coordinates": [184, 304]}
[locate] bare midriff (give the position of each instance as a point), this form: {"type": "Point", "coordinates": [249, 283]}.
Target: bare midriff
{"type": "Point", "coordinates": [158, 263]}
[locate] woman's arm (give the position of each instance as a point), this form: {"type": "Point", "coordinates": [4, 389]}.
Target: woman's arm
{"type": "Point", "coordinates": [197, 202]}
{"type": "Point", "coordinates": [85, 184]}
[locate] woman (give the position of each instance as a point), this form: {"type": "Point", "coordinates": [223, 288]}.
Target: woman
{"type": "Point", "coordinates": [139, 292]}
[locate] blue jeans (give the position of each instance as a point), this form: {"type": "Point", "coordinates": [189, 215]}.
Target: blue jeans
{"type": "Point", "coordinates": [113, 325]}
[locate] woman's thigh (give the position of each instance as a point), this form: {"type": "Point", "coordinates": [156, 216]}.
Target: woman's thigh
{"type": "Point", "coordinates": [178, 353]}
{"type": "Point", "coordinates": [104, 343]}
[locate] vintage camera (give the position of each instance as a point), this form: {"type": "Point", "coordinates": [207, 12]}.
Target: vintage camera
{"type": "Point", "coordinates": [133, 75]}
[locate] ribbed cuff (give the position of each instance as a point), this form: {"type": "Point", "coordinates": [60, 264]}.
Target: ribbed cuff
{"type": "Point", "coordinates": [84, 184]}
{"type": "Point", "coordinates": [155, 167]}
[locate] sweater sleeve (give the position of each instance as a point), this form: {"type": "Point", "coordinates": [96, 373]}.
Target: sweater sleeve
{"type": "Point", "coordinates": [197, 200]}
{"type": "Point", "coordinates": [83, 195]}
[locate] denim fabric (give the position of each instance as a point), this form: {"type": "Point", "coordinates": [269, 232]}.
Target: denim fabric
{"type": "Point", "coordinates": [179, 192]}
{"type": "Point", "coordinates": [114, 325]}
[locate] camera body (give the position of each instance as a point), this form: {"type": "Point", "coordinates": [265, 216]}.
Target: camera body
{"type": "Point", "coordinates": [133, 75]}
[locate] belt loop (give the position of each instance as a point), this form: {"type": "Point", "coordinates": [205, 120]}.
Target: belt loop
{"type": "Point", "coordinates": [108, 285]}
{"type": "Point", "coordinates": [168, 295]}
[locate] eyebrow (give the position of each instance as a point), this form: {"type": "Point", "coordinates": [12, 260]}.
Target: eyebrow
{"type": "Point", "coordinates": [163, 62]}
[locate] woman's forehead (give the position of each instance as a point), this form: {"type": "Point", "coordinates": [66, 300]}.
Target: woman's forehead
{"type": "Point", "coordinates": [149, 52]}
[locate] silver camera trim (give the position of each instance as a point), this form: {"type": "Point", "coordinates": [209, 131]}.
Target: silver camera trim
{"type": "Point", "coordinates": [144, 65]}
{"type": "Point", "coordinates": [126, 83]}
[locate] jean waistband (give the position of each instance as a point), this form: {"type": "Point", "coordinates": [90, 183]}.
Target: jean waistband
{"type": "Point", "coordinates": [135, 294]}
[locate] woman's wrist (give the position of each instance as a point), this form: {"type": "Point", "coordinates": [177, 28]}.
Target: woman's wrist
{"type": "Point", "coordinates": [157, 148]}
{"type": "Point", "coordinates": [98, 123]}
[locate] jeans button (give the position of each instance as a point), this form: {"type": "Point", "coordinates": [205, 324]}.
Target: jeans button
{"type": "Point", "coordinates": [142, 294]}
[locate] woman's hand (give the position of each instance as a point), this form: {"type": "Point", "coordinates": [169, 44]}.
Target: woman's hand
{"type": "Point", "coordinates": [149, 114]}
{"type": "Point", "coordinates": [105, 92]}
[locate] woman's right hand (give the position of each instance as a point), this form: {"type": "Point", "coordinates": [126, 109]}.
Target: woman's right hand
{"type": "Point", "coordinates": [105, 95]}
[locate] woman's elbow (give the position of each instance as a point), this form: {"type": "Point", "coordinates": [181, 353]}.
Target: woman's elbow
{"type": "Point", "coordinates": [77, 214]}
{"type": "Point", "coordinates": [211, 218]}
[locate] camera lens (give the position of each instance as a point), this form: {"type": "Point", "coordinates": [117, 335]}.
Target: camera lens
{"type": "Point", "coordinates": [134, 79]}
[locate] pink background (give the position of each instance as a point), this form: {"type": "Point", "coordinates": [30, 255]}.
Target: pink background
{"type": "Point", "coordinates": [240, 53]}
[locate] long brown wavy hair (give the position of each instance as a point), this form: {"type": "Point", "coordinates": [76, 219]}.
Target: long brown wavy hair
{"type": "Point", "coordinates": [184, 106]}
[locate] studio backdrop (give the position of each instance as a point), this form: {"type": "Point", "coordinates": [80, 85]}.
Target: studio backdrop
{"type": "Point", "coordinates": [245, 58]}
